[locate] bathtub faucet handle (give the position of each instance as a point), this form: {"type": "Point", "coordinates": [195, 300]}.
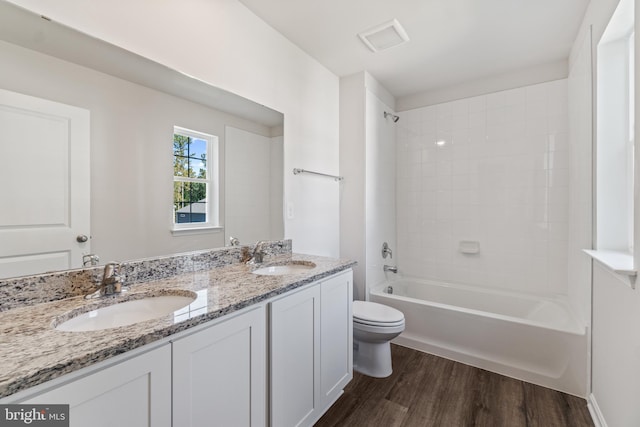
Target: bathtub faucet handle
{"type": "Point", "coordinates": [386, 250]}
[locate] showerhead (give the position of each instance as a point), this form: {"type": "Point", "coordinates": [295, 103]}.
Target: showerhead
{"type": "Point", "coordinates": [393, 117]}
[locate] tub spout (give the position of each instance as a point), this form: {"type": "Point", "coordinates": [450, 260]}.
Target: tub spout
{"type": "Point", "coordinates": [390, 268]}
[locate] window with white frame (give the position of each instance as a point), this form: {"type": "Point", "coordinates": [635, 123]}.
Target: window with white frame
{"type": "Point", "coordinates": [615, 133]}
{"type": "Point", "coordinates": [195, 183]}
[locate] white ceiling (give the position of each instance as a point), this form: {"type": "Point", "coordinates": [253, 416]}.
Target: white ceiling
{"type": "Point", "coordinates": [30, 30]}
{"type": "Point", "coordinates": [452, 41]}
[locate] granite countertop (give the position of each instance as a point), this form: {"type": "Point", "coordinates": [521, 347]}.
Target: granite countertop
{"type": "Point", "coordinates": [32, 351]}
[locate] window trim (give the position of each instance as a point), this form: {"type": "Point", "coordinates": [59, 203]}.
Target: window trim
{"type": "Point", "coordinates": [615, 154]}
{"type": "Point", "coordinates": [212, 181]}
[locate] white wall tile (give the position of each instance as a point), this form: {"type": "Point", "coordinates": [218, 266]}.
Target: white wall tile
{"type": "Point", "coordinates": [477, 103]}
{"type": "Point", "coordinates": [501, 178]}
{"type": "Point", "coordinates": [536, 93]}
{"type": "Point", "coordinates": [477, 118]}
{"type": "Point", "coordinates": [496, 100]}
{"type": "Point", "coordinates": [460, 107]}
{"type": "Point", "coordinates": [515, 97]}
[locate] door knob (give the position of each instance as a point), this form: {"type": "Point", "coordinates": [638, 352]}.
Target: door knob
{"type": "Point", "coordinates": [82, 238]}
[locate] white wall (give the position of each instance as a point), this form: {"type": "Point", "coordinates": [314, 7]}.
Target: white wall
{"type": "Point", "coordinates": [276, 187]}
{"type": "Point", "coordinates": [499, 177]}
{"type": "Point", "coordinates": [367, 162]}
{"type": "Point", "coordinates": [580, 198]}
{"type": "Point", "coordinates": [526, 77]}
{"type": "Point", "coordinates": [380, 218]}
{"type": "Point", "coordinates": [353, 168]}
{"type": "Point", "coordinates": [131, 156]}
{"type": "Point", "coordinates": [223, 43]}
{"type": "Point", "coordinates": [253, 186]}
{"type": "Point", "coordinates": [616, 307]}
{"type": "Point", "coordinates": [616, 349]}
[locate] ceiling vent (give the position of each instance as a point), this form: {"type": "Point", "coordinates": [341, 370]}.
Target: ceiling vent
{"type": "Point", "coordinates": [384, 36]}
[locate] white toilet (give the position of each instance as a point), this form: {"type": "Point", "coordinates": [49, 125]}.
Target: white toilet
{"type": "Point", "coordinates": [374, 326]}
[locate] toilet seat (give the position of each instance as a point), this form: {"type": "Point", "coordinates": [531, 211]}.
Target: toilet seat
{"type": "Point", "coordinates": [374, 314]}
{"type": "Point", "coordinates": [378, 324]}
{"type": "Point", "coordinates": [381, 331]}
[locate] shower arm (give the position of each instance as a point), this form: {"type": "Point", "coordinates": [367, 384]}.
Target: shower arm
{"type": "Point", "coordinates": [393, 117]}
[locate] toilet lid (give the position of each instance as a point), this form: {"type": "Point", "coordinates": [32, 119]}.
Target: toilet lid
{"type": "Point", "coordinates": [368, 311]}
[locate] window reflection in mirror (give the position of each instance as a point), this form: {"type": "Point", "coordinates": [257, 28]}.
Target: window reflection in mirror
{"type": "Point", "coordinates": [195, 169]}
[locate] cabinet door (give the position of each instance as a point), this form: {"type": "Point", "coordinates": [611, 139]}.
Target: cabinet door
{"type": "Point", "coordinates": [295, 367]}
{"type": "Point", "coordinates": [136, 392]}
{"type": "Point", "coordinates": [219, 374]}
{"type": "Point", "coordinates": [336, 336]}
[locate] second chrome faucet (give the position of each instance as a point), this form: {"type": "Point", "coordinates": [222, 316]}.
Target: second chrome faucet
{"type": "Point", "coordinates": [386, 250]}
{"type": "Point", "coordinates": [112, 281]}
{"type": "Point", "coordinates": [257, 255]}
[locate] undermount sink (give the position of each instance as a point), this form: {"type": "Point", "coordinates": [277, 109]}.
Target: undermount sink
{"type": "Point", "coordinates": [283, 269]}
{"type": "Point", "coordinates": [126, 313]}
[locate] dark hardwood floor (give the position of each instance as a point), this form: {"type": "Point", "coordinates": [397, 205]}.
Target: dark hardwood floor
{"type": "Point", "coordinates": [426, 390]}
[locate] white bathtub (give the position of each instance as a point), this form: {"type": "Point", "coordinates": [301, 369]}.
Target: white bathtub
{"type": "Point", "coordinates": [530, 338]}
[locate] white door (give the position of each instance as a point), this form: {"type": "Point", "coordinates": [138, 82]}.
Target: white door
{"type": "Point", "coordinates": [44, 185]}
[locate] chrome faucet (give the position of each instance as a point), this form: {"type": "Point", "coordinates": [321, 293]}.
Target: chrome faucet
{"type": "Point", "coordinates": [258, 254]}
{"type": "Point", "coordinates": [112, 282]}
{"type": "Point", "coordinates": [390, 268]}
{"type": "Point", "coordinates": [386, 250]}
{"type": "Point", "coordinates": [90, 259]}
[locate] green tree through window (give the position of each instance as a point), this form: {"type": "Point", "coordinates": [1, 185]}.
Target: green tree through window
{"type": "Point", "coordinates": [190, 176]}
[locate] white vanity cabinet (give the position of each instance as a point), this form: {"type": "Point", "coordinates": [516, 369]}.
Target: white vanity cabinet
{"type": "Point", "coordinates": [311, 350]}
{"type": "Point", "coordinates": [134, 392]}
{"type": "Point", "coordinates": [295, 357]}
{"type": "Point", "coordinates": [336, 337]}
{"type": "Point", "coordinates": [216, 373]}
{"type": "Point", "coordinates": [213, 374]}
{"type": "Point", "coordinates": [219, 373]}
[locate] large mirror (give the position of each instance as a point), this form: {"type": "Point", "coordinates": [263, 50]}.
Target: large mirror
{"type": "Point", "coordinates": [104, 150]}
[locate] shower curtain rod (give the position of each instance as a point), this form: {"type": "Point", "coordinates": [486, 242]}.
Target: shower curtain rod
{"type": "Point", "coordinates": [296, 171]}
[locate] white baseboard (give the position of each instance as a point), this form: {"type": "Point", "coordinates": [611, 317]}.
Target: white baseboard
{"type": "Point", "coordinates": [594, 410]}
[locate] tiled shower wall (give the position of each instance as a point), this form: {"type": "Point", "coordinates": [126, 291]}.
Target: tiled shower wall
{"type": "Point", "coordinates": [492, 169]}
